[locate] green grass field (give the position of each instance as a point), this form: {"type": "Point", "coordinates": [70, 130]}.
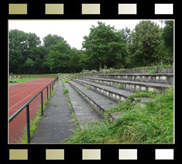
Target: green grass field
{"type": "Point", "coordinates": [30, 77]}
{"type": "Point", "coordinates": [21, 80]}
{"type": "Point", "coordinates": [36, 75]}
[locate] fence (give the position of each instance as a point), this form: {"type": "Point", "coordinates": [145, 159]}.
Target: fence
{"type": "Point", "coordinates": [26, 105]}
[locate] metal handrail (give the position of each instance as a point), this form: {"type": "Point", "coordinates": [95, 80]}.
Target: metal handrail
{"type": "Point", "coordinates": [27, 107]}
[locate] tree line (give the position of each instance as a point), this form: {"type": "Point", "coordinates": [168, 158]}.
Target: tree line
{"type": "Point", "coordinates": [146, 45]}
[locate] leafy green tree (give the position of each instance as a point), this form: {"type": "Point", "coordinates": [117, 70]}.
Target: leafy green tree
{"type": "Point", "coordinates": [21, 45]}
{"type": "Point", "coordinates": [74, 64]}
{"type": "Point", "coordinates": [166, 45]}
{"type": "Point", "coordinates": [58, 57]}
{"type": "Point", "coordinates": [39, 66]}
{"type": "Point", "coordinates": [28, 65]}
{"type": "Point", "coordinates": [145, 40]}
{"type": "Point", "coordinates": [167, 34]}
{"type": "Point", "coordinates": [33, 40]}
{"type": "Point", "coordinates": [126, 34]}
{"type": "Point", "coordinates": [104, 44]}
{"type": "Point", "coordinates": [52, 40]}
{"type": "Point", "coordinates": [87, 62]}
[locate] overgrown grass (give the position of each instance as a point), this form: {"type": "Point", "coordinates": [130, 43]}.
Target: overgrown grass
{"type": "Point", "coordinates": [157, 66]}
{"type": "Point", "coordinates": [107, 70]}
{"type": "Point", "coordinates": [154, 67]}
{"type": "Point", "coordinates": [73, 77]}
{"type": "Point", "coordinates": [35, 122]}
{"type": "Point", "coordinates": [152, 123]}
{"type": "Point", "coordinates": [64, 75]}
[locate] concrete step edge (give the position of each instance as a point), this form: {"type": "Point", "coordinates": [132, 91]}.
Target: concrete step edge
{"type": "Point", "coordinates": [92, 103]}
{"type": "Point", "coordinates": [130, 85]}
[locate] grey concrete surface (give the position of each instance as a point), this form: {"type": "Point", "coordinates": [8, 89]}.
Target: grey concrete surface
{"type": "Point", "coordinates": [57, 122]}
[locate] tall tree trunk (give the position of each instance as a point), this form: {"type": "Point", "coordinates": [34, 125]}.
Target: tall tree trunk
{"type": "Point", "coordinates": [100, 66]}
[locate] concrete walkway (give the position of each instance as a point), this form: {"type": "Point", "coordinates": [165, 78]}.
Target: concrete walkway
{"type": "Point", "coordinates": [56, 123]}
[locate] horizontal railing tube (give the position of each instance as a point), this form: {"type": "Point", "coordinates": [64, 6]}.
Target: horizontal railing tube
{"type": "Point", "coordinates": [24, 106]}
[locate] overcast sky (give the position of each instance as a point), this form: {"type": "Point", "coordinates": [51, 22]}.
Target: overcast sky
{"type": "Point", "coordinates": [72, 31]}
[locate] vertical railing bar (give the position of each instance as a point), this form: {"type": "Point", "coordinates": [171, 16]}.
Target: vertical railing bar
{"type": "Point", "coordinates": [52, 86]}
{"type": "Point", "coordinates": [28, 123]}
{"type": "Point", "coordinates": [42, 103]}
{"type": "Point", "coordinates": [50, 90]}
{"type": "Point", "coordinates": [47, 94]}
{"type": "Point", "coordinates": [28, 111]}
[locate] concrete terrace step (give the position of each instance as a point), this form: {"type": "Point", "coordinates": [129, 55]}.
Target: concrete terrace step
{"type": "Point", "coordinates": [98, 102]}
{"type": "Point", "coordinates": [108, 91]}
{"type": "Point", "coordinates": [143, 70]}
{"type": "Point", "coordinates": [82, 110]}
{"type": "Point", "coordinates": [130, 85]}
{"type": "Point", "coordinates": [166, 78]}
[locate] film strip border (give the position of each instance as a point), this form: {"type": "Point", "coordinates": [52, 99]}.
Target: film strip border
{"type": "Point", "coordinates": [90, 9]}
{"type": "Point", "coordinates": [92, 154]}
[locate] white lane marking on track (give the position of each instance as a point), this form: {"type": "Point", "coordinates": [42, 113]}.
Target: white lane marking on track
{"type": "Point", "coordinates": [39, 82]}
{"type": "Point", "coordinates": [13, 86]}
{"type": "Point", "coordinates": [23, 91]}
{"type": "Point", "coordinates": [10, 92]}
{"type": "Point", "coordinates": [22, 99]}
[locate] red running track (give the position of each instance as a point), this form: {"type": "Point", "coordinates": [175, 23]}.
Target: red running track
{"type": "Point", "coordinates": [19, 94]}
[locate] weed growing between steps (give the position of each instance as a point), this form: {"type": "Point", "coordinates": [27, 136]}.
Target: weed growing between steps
{"type": "Point", "coordinates": [69, 102]}
{"type": "Point", "coordinates": [75, 119]}
{"type": "Point", "coordinates": [70, 105]}
{"type": "Point", "coordinates": [88, 87]}
{"type": "Point", "coordinates": [119, 86]}
{"type": "Point", "coordinates": [152, 71]}
{"type": "Point", "coordinates": [152, 123]}
{"type": "Point", "coordinates": [35, 122]}
{"type": "Point", "coordinates": [65, 91]}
